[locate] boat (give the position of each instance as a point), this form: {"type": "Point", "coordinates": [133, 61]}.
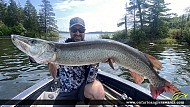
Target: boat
{"type": "Point", "coordinates": [119, 92]}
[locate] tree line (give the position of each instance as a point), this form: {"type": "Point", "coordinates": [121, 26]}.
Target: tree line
{"type": "Point", "coordinates": [145, 20]}
{"type": "Point", "coordinates": [15, 19]}
{"type": "Point", "coordinates": [150, 20]}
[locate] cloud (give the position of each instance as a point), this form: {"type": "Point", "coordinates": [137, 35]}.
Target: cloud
{"type": "Point", "coordinates": [65, 5]}
{"type": "Point", "coordinates": [178, 6]}
{"type": "Point", "coordinates": [98, 14]}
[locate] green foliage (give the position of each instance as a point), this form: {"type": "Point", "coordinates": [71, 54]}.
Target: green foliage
{"type": "Point", "coordinates": [167, 41]}
{"type": "Point", "coordinates": [163, 29]}
{"type": "Point", "coordinates": [106, 36]}
{"type": "Point", "coordinates": [25, 21]}
{"type": "Point", "coordinates": [179, 28]}
{"type": "Point", "coordinates": [4, 30]}
{"type": "Point", "coordinates": [174, 33]}
{"type": "Point", "coordinates": [31, 34]}
{"type": "Point", "coordinates": [53, 34]}
{"type": "Point", "coordinates": [152, 22]}
{"type": "Point", "coordinates": [19, 29]}
{"type": "Point", "coordinates": [31, 20]}
{"type": "Point", "coordinates": [47, 20]}
{"type": "Point", "coordinates": [138, 36]}
{"type": "Point", "coordinates": [13, 16]}
{"type": "Point", "coordinates": [186, 35]}
{"type": "Point", "coordinates": [3, 9]}
{"type": "Point", "coordinates": [150, 19]}
{"type": "Point", "coordinates": [119, 36]}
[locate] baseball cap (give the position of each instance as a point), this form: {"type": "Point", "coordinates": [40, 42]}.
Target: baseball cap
{"type": "Point", "coordinates": [77, 21]}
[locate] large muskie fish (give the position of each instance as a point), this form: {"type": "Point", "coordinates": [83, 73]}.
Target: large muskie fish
{"type": "Point", "coordinates": [92, 52]}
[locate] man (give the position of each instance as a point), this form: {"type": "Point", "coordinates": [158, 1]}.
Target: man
{"type": "Point", "coordinates": [78, 82]}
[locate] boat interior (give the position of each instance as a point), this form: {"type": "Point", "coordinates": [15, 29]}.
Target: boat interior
{"type": "Point", "coordinates": [117, 91]}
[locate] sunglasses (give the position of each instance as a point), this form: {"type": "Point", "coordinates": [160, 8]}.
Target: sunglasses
{"type": "Point", "coordinates": [74, 30]}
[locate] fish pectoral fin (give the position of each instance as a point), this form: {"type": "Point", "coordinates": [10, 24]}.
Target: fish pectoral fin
{"type": "Point", "coordinates": [53, 70]}
{"type": "Point", "coordinates": [110, 62]}
{"type": "Point", "coordinates": [137, 77]}
{"type": "Point", "coordinates": [156, 64]}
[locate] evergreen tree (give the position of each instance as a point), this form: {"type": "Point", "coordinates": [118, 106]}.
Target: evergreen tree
{"type": "Point", "coordinates": [31, 21]}
{"type": "Point", "coordinates": [47, 20]}
{"type": "Point", "coordinates": [139, 10]}
{"type": "Point", "coordinates": [21, 15]}
{"type": "Point", "coordinates": [12, 15]}
{"type": "Point", "coordinates": [159, 18]}
{"type": "Point", "coordinates": [132, 10]}
{"type": "Point", "coordinates": [149, 17]}
{"type": "Point", "coordinates": [3, 8]}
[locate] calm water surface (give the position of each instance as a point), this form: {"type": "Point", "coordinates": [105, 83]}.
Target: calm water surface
{"type": "Point", "coordinates": [17, 73]}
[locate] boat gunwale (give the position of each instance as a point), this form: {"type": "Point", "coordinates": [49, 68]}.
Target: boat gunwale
{"type": "Point", "coordinates": [28, 92]}
{"type": "Point", "coordinates": [132, 85]}
{"type": "Point", "coordinates": [23, 95]}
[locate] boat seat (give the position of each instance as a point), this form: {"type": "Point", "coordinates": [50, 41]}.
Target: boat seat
{"type": "Point", "coordinates": [48, 95]}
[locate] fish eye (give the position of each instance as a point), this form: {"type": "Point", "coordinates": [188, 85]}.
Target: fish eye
{"type": "Point", "coordinates": [32, 41]}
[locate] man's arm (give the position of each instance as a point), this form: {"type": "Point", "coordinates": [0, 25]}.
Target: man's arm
{"type": "Point", "coordinates": [92, 73]}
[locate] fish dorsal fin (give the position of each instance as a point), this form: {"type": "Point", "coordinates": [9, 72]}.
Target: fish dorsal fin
{"type": "Point", "coordinates": [110, 62]}
{"type": "Point", "coordinates": [156, 64]}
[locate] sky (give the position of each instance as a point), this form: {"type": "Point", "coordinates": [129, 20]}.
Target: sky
{"type": "Point", "coordinates": [99, 15]}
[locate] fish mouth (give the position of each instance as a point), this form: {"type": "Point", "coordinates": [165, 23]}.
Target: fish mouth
{"type": "Point", "coordinates": [24, 44]}
{"type": "Point", "coordinates": [20, 42]}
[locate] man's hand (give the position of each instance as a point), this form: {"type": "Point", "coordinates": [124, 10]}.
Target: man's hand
{"type": "Point", "coordinates": [53, 69]}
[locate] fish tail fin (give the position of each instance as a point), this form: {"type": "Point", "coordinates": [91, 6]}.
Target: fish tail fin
{"type": "Point", "coordinates": [156, 92]}
{"type": "Point", "coordinates": [168, 87]}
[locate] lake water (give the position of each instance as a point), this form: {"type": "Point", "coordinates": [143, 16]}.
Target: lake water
{"type": "Point", "coordinates": [17, 73]}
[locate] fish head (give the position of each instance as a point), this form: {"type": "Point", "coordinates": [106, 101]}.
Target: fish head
{"type": "Point", "coordinates": [40, 50]}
